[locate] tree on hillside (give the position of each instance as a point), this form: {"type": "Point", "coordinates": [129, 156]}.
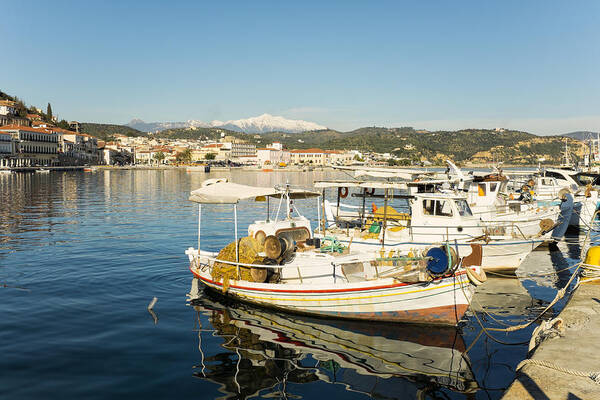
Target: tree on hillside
{"type": "Point", "coordinates": [49, 112]}
{"type": "Point", "coordinates": [210, 156]}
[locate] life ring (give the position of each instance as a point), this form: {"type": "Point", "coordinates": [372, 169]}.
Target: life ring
{"type": "Point", "coordinates": [343, 192]}
{"type": "Point", "coordinates": [474, 277]}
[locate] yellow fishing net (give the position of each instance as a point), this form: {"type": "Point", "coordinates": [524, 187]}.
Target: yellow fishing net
{"type": "Point", "coordinates": [248, 248]}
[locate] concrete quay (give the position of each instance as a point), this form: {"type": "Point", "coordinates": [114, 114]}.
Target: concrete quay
{"type": "Point", "coordinates": [576, 349]}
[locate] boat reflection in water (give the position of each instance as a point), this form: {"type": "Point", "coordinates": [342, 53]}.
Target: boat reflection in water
{"type": "Point", "coordinates": [267, 350]}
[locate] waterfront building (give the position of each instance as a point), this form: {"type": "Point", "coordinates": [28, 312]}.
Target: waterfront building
{"type": "Point", "coordinates": [273, 155]}
{"type": "Point", "coordinates": [144, 156]}
{"type": "Point", "coordinates": [337, 157]}
{"type": "Point", "coordinates": [222, 151]}
{"type": "Point", "coordinates": [8, 107]}
{"type": "Point", "coordinates": [242, 149]}
{"type": "Point", "coordinates": [113, 153]}
{"type": "Point", "coordinates": [77, 148]}
{"type": "Point", "coordinates": [7, 148]}
{"type": "Point", "coordinates": [9, 114]}
{"type": "Point", "coordinates": [309, 156]}
{"type": "Point", "coordinates": [32, 146]}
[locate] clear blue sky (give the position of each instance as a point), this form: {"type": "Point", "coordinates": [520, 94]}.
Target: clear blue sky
{"type": "Point", "coordinates": [530, 65]}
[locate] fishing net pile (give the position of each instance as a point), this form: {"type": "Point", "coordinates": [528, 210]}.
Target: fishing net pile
{"type": "Point", "coordinates": [249, 249]}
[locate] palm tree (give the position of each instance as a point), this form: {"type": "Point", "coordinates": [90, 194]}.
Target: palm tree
{"type": "Point", "coordinates": [184, 156]}
{"type": "Point", "coordinates": [159, 157]}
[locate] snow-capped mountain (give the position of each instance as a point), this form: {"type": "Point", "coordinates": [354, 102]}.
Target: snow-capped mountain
{"type": "Point", "coordinates": [261, 124]}
{"type": "Point", "coordinates": [269, 123]}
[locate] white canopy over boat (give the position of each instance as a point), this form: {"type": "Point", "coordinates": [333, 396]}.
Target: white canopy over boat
{"type": "Point", "coordinates": [360, 184]}
{"type": "Point", "coordinates": [223, 192]}
{"type": "Point", "coordinates": [404, 173]}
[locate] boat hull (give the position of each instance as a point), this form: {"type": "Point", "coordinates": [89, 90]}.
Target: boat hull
{"type": "Point", "coordinates": [442, 302]}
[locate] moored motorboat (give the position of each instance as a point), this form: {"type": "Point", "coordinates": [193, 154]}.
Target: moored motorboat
{"type": "Point", "coordinates": [428, 220]}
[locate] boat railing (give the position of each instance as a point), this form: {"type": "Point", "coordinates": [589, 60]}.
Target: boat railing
{"type": "Point", "coordinates": [336, 265]}
{"type": "Point", "coordinates": [339, 262]}
{"type": "Point", "coordinates": [510, 227]}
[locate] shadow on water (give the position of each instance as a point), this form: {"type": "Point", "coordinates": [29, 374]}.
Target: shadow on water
{"type": "Point", "coordinates": [263, 352]}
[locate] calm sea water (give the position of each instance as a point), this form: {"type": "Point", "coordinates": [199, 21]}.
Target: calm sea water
{"type": "Point", "coordinates": [82, 255]}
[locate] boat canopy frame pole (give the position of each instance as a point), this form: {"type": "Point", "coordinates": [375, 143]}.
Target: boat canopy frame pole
{"type": "Point", "coordinates": [278, 208]}
{"type": "Point", "coordinates": [268, 209]}
{"type": "Point", "coordinates": [324, 220]}
{"type": "Point", "coordinates": [363, 220]}
{"type": "Point", "coordinates": [385, 203]}
{"type": "Point", "coordinates": [199, 224]}
{"type": "Point", "coordinates": [319, 213]}
{"type": "Point", "coordinates": [237, 250]}
{"type": "Point", "coordinates": [337, 214]}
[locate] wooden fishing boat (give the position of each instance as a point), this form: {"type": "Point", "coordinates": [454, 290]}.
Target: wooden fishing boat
{"type": "Point", "coordinates": [320, 276]}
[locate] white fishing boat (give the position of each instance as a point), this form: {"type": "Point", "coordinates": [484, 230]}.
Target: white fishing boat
{"type": "Point", "coordinates": [294, 271]}
{"type": "Point", "coordinates": [428, 219]}
{"type": "Point", "coordinates": [42, 171]}
{"type": "Point", "coordinates": [5, 171]}
{"type": "Point", "coordinates": [551, 185]}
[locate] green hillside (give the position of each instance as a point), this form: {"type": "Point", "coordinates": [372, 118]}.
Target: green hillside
{"type": "Point", "coordinates": [201, 134]}
{"type": "Point", "coordinates": [108, 131]}
{"type": "Point", "coordinates": [477, 145]}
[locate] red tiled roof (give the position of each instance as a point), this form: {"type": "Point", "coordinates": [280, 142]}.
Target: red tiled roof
{"type": "Point", "coordinates": [26, 129]}
{"type": "Point", "coordinates": [308, 151]}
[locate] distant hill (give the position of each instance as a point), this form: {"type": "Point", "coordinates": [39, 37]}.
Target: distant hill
{"type": "Point", "coordinates": [466, 145]}
{"type": "Point", "coordinates": [580, 135]}
{"type": "Point", "coordinates": [201, 134]}
{"type": "Point", "coordinates": [108, 131]}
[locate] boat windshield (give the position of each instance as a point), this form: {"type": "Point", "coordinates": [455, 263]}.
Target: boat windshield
{"type": "Point", "coordinates": [463, 208]}
{"type": "Point", "coordinates": [585, 179]}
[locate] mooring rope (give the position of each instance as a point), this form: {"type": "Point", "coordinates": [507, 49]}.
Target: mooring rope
{"type": "Point", "coordinates": [593, 375]}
